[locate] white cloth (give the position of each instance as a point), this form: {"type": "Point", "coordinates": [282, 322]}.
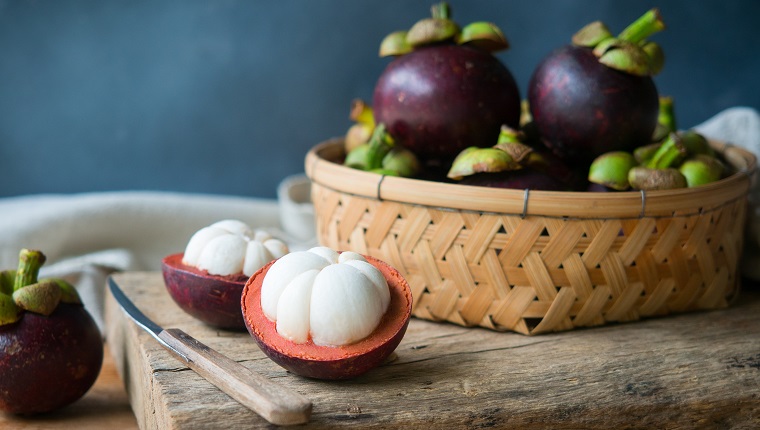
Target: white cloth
{"type": "Point", "coordinates": [740, 126]}
{"type": "Point", "coordinates": [88, 236]}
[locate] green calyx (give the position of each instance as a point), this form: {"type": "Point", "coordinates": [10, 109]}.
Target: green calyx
{"type": "Point", "coordinates": [41, 297]}
{"type": "Point", "coordinates": [364, 125]}
{"type": "Point", "coordinates": [701, 169]}
{"type": "Point", "coordinates": [676, 159]}
{"type": "Point", "coordinates": [441, 28]}
{"type": "Point", "coordinates": [630, 51]}
{"type": "Point", "coordinates": [511, 142]}
{"type": "Point", "coordinates": [670, 152]}
{"type": "Point", "coordinates": [395, 44]}
{"type": "Point", "coordinates": [20, 290]}
{"type": "Point", "coordinates": [695, 143]}
{"type": "Point", "coordinates": [666, 119]}
{"type": "Point", "coordinates": [611, 170]}
{"type": "Point", "coordinates": [380, 155]}
{"type": "Point", "coordinates": [474, 160]}
{"type": "Point", "coordinates": [483, 35]}
{"type": "Point", "coordinates": [509, 153]}
{"type": "Point", "coordinates": [645, 178]}
{"type": "Point", "coordinates": [681, 160]}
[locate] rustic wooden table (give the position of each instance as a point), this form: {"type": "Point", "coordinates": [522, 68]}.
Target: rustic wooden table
{"type": "Point", "coordinates": [697, 370]}
{"type": "Point", "coordinates": [684, 371]}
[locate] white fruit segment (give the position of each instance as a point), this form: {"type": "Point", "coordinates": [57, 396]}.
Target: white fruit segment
{"type": "Point", "coordinates": [334, 299]}
{"type": "Point", "coordinates": [230, 247]}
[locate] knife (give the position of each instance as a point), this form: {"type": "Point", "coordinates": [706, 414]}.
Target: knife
{"type": "Point", "coordinates": [273, 402]}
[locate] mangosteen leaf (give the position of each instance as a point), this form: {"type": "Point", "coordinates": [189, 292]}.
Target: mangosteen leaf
{"type": "Point", "coordinates": [701, 169]}
{"type": "Point", "coordinates": [41, 298]}
{"type": "Point", "coordinates": [656, 57]}
{"type": "Point", "coordinates": [431, 30]}
{"type": "Point", "coordinates": [628, 58]}
{"type": "Point", "coordinates": [69, 293]}
{"type": "Point", "coordinates": [7, 278]}
{"type": "Point", "coordinates": [666, 119]}
{"type": "Point", "coordinates": [518, 151]}
{"type": "Point", "coordinates": [402, 161]}
{"type": "Point", "coordinates": [643, 154]}
{"type": "Point", "coordinates": [591, 35]}
{"type": "Point", "coordinates": [481, 160]}
{"type": "Point", "coordinates": [9, 312]}
{"type": "Point", "coordinates": [644, 178]}
{"type": "Point", "coordinates": [508, 134]}
{"type": "Point", "coordinates": [361, 112]}
{"type": "Point", "coordinates": [626, 51]}
{"type": "Point", "coordinates": [671, 152]}
{"type": "Point", "coordinates": [395, 44]}
{"type": "Point", "coordinates": [695, 143]}
{"type": "Point", "coordinates": [611, 170]}
{"type": "Point", "coordinates": [483, 35]}
{"type": "Point", "coordinates": [357, 158]}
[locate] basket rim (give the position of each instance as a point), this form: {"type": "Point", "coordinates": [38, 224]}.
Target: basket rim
{"type": "Point", "coordinates": [322, 170]}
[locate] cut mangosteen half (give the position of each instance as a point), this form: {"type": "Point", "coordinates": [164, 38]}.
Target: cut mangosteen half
{"type": "Point", "coordinates": [213, 299]}
{"type": "Point", "coordinates": [330, 362]}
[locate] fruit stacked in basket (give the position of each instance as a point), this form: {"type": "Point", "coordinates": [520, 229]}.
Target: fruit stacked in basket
{"type": "Point", "coordinates": [579, 205]}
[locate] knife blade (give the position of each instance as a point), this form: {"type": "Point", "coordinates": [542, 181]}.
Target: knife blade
{"type": "Point", "coordinates": [275, 403]}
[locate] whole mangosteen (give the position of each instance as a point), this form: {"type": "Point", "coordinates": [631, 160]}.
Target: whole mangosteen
{"type": "Point", "coordinates": [597, 95]}
{"type": "Point", "coordinates": [445, 90]}
{"type": "Point", "coordinates": [51, 350]}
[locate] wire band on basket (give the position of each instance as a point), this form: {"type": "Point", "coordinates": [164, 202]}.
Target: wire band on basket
{"type": "Point", "coordinates": [643, 204]}
{"type": "Point", "coordinates": [379, 183]}
{"type": "Point", "coordinates": [525, 203]}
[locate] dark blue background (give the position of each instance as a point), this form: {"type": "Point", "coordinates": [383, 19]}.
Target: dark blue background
{"type": "Point", "coordinates": [227, 96]}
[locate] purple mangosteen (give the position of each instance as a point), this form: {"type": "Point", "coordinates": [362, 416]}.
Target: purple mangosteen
{"type": "Point", "coordinates": [597, 95]}
{"type": "Point", "coordinates": [445, 91]}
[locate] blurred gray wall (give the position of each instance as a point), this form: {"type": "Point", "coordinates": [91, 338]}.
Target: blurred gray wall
{"type": "Point", "coordinates": [227, 96]}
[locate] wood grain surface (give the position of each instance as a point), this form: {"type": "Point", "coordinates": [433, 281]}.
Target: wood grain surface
{"type": "Point", "coordinates": [697, 370]}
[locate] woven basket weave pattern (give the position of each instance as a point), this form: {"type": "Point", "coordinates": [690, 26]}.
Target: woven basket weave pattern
{"type": "Point", "coordinates": [533, 274]}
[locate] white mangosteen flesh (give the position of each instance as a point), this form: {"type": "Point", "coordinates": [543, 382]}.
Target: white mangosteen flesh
{"type": "Point", "coordinates": [231, 247]}
{"type": "Point", "coordinates": [333, 299]}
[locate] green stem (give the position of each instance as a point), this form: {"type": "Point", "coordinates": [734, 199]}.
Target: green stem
{"type": "Point", "coordinates": [667, 116]}
{"type": "Point", "coordinates": [670, 151]}
{"type": "Point", "coordinates": [379, 146]}
{"type": "Point", "coordinates": [648, 24]}
{"type": "Point", "coordinates": [508, 135]}
{"type": "Point", "coordinates": [29, 263]}
{"type": "Point", "coordinates": [441, 10]}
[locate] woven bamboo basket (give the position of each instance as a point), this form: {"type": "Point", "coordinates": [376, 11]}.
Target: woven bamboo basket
{"type": "Point", "coordinates": [539, 261]}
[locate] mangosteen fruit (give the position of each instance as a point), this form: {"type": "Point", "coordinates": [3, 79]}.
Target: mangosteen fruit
{"type": "Point", "coordinates": [206, 281]}
{"type": "Point", "coordinates": [597, 95]}
{"type": "Point", "coordinates": [682, 159]}
{"type": "Point", "coordinates": [512, 164]}
{"type": "Point", "coordinates": [326, 314]}
{"type": "Point", "coordinates": [518, 179]}
{"type": "Point", "coordinates": [51, 350]}
{"type": "Point", "coordinates": [445, 90]}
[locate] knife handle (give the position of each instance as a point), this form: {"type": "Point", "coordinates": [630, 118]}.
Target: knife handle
{"type": "Point", "coordinates": [275, 403]}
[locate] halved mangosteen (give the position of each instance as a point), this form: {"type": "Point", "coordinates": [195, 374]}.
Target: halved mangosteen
{"type": "Point", "coordinates": [206, 281]}
{"type": "Point", "coordinates": [213, 299]}
{"type": "Point", "coordinates": [320, 343]}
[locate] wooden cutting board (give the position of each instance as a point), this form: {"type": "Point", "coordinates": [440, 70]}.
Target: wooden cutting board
{"type": "Point", "coordinates": [685, 371]}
